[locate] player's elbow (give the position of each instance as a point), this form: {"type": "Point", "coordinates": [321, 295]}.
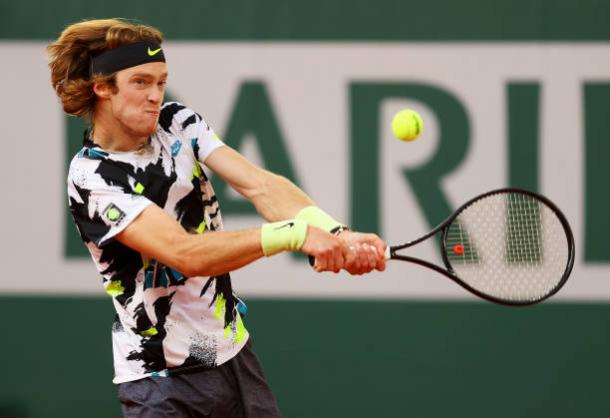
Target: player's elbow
{"type": "Point", "coordinates": [181, 254]}
{"type": "Point", "coordinates": [186, 267]}
{"type": "Point", "coordinates": [192, 265]}
{"type": "Point", "coordinates": [192, 268]}
{"type": "Point", "coordinates": [187, 263]}
{"type": "Point", "coordinates": [196, 255]}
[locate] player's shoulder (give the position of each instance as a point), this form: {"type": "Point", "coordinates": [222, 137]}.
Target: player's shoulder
{"type": "Point", "coordinates": [88, 156]}
{"type": "Point", "coordinates": [176, 117]}
{"type": "Point", "coordinates": [85, 163]}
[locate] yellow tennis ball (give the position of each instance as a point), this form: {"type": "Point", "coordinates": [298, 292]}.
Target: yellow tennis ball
{"type": "Point", "coordinates": [407, 125]}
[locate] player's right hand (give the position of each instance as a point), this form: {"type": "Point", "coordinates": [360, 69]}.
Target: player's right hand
{"type": "Point", "coordinates": [367, 252]}
{"type": "Point", "coordinates": [326, 248]}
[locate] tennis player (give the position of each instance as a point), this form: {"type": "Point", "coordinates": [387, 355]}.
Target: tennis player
{"type": "Point", "coordinates": [147, 212]}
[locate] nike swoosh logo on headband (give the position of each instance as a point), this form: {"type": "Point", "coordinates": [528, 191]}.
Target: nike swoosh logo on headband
{"type": "Point", "coordinates": [153, 53]}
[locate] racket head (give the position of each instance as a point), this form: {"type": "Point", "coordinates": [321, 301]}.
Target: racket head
{"type": "Point", "coordinates": [509, 246]}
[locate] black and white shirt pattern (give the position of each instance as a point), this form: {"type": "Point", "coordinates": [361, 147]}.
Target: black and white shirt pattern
{"type": "Point", "coordinates": [164, 320]}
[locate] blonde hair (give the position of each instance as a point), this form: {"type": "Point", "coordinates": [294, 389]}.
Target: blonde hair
{"type": "Point", "coordinates": [70, 58]}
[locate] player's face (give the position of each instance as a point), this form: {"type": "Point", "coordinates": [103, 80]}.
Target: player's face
{"type": "Point", "coordinates": [137, 102]}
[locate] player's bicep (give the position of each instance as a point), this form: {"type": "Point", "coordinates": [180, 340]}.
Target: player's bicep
{"type": "Point", "coordinates": [156, 235]}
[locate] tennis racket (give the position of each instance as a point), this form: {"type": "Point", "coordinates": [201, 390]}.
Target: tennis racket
{"type": "Point", "coordinates": [508, 246]}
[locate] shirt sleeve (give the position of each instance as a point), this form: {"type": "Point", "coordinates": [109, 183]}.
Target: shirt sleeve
{"type": "Point", "coordinates": [189, 125]}
{"type": "Point", "coordinates": [204, 141]}
{"type": "Point", "coordinates": [100, 211]}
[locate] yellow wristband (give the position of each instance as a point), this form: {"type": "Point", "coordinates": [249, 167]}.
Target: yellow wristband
{"type": "Point", "coordinates": [283, 236]}
{"type": "Point", "coordinates": [315, 216]}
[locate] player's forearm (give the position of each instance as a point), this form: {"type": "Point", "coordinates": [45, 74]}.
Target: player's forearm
{"type": "Point", "coordinates": [278, 198]}
{"type": "Point", "coordinates": [214, 253]}
{"type": "Point", "coordinates": [156, 235]}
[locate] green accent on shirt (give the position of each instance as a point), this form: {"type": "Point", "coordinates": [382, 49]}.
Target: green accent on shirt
{"type": "Point", "coordinates": [201, 227]}
{"type": "Point", "coordinates": [138, 188]}
{"type": "Point", "coordinates": [220, 307]}
{"type": "Point", "coordinates": [115, 288]}
{"type": "Point", "coordinates": [196, 171]}
{"type": "Point", "coordinates": [150, 332]}
{"type": "Point", "coordinates": [240, 332]}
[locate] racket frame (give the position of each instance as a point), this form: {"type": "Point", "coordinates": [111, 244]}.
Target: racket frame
{"type": "Point", "coordinates": [448, 271]}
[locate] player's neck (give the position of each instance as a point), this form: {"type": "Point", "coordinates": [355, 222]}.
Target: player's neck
{"type": "Point", "coordinates": [111, 136]}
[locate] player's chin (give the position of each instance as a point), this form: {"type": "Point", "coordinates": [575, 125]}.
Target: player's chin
{"type": "Point", "coordinates": [149, 125]}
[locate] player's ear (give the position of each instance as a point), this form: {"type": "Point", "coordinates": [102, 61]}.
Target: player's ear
{"type": "Point", "coordinates": [102, 90]}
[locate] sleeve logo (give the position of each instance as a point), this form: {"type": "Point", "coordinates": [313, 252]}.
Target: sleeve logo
{"type": "Point", "coordinates": [176, 147]}
{"type": "Point", "coordinates": [114, 214]}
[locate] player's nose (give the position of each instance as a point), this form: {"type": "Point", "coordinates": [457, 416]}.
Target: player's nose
{"type": "Point", "coordinates": [155, 96]}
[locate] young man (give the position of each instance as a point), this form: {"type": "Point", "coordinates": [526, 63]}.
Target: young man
{"type": "Point", "coordinates": [149, 217]}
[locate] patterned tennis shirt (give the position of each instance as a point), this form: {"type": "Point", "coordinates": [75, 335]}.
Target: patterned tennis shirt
{"type": "Point", "coordinates": [164, 320]}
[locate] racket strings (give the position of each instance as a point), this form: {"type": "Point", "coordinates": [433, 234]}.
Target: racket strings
{"type": "Point", "coordinates": [509, 246]}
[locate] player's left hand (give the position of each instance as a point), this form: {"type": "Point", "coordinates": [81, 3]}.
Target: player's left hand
{"type": "Point", "coordinates": [365, 252]}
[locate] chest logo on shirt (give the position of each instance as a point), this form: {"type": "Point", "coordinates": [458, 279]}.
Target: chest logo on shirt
{"type": "Point", "coordinates": [176, 147]}
{"type": "Point", "coordinates": [113, 214]}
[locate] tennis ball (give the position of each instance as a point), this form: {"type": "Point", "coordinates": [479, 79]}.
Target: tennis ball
{"type": "Point", "coordinates": [407, 125]}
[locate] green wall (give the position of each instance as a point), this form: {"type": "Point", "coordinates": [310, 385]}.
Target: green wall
{"type": "Point", "coordinates": [338, 359]}
{"type": "Point", "coordinates": [430, 20]}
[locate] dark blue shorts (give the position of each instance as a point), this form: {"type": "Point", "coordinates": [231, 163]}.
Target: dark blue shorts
{"type": "Point", "coordinates": [235, 389]}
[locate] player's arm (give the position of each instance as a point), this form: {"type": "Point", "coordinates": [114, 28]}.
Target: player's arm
{"type": "Point", "coordinates": [155, 234]}
{"type": "Point", "coordinates": [276, 198]}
